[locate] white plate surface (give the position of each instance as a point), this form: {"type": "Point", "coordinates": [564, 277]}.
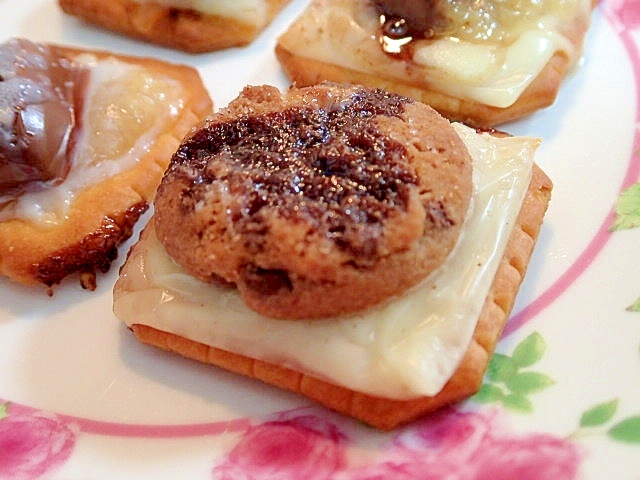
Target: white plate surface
{"type": "Point", "coordinates": [81, 399]}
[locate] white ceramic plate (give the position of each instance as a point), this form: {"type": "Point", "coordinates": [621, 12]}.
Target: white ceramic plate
{"type": "Point", "coordinates": [80, 398]}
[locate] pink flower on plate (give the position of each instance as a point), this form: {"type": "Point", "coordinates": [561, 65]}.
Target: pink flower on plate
{"type": "Point", "coordinates": [455, 445]}
{"type": "Point", "coordinates": [627, 11]}
{"type": "Point", "coordinates": [534, 457]}
{"type": "Point", "coordinates": [451, 432]}
{"type": "Point", "coordinates": [32, 445]}
{"type": "Point", "coordinates": [301, 447]}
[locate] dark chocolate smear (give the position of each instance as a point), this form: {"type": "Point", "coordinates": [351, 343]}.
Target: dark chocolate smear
{"type": "Point", "coordinates": [37, 117]}
{"type": "Point", "coordinates": [331, 168]}
{"type": "Point", "coordinates": [417, 18]}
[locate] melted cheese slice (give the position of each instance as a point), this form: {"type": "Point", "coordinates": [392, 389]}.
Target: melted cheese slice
{"type": "Point", "coordinates": [495, 73]}
{"type": "Point", "coordinates": [407, 347]}
{"type": "Point", "coordinates": [125, 108]}
{"type": "Point", "coordinates": [253, 12]}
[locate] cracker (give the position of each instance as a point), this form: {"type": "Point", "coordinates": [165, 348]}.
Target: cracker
{"type": "Point", "coordinates": [171, 27]}
{"type": "Point", "coordinates": [383, 413]}
{"type": "Point", "coordinates": [302, 71]}
{"type": "Point", "coordinates": [102, 216]}
{"type": "Point", "coordinates": [539, 94]}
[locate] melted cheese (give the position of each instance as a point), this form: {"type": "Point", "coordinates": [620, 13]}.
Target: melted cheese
{"type": "Point", "coordinates": [407, 347]}
{"type": "Point", "coordinates": [495, 73]}
{"type": "Point", "coordinates": [126, 107]}
{"type": "Point", "coordinates": [253, 12]}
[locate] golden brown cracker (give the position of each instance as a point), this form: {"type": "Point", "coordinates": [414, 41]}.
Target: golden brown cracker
{"type": "Point", "coordinates": [102, 216]}
{"type": "Point", "coordinates": [384, 413]}
{"type": "Point", "coordinates": [171, 27]}
{"type": "Point", "coordinates": [403, 79]}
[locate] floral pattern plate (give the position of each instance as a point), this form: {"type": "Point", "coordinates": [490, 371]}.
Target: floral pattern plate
{"type": "Point", "coordinates": [81, 399]}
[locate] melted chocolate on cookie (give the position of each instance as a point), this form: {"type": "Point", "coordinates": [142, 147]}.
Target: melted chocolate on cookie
{"type": "Point", "coordinates": [331, 168]}
{"type": "Point", "coordinates": [476, 21]}
{"type": "Point", "coordinates": [37, 117]}
{"type": "Point", "coordinates": [412, 17]}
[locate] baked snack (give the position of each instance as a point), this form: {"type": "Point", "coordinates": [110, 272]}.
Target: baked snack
{"type": "Point", "coordinates": [482, 64]}
{"type": "Point", "coordinates": [389, 362]}
{"type": "Point", "coordinates": [298, 230]}
{"type": "Point", "coordinates": [194, 26]}
{"type": "Point", "coordinates": [84, 139]}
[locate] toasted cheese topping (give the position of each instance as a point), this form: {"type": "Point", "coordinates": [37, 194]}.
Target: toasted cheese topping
{"type": "Point", "coordinates": [253, 12]}
{"type": "Point", "coordinates": [407, 347]}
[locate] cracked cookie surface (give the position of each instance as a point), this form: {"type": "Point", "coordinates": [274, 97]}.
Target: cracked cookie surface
{"type": "Point", "coordinates": [316, 202]}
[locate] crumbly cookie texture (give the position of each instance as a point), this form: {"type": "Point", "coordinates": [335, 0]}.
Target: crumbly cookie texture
{"type": "Point", "coordinates": [182, 29]}
{"type": "Point", "coordinates": [384, 413]}
{"type": "Point", "coordinates": [318, 201]}
{"type": "Point", "coordinates": [102, 215]}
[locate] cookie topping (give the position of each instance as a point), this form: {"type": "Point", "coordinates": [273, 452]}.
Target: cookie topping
{"type": "Point", "coordinates": [332, 167]}
{"type": "Point", "coordinates": [315, 202]}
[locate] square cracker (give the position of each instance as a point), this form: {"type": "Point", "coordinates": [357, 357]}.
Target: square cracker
{"type": "Point", "coordinates": [384, 413]}
{"type": "Point", "coordinates": [182, 29]}
{"type": "Point", "coordinates": [102, 216]}
{"type": "Point", "coordinates": [303, 70]}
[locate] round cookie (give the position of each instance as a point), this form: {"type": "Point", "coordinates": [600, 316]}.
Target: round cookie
{"type": "Point", "coordinates": [318, 201]}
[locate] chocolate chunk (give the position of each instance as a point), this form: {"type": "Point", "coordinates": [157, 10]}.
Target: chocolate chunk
{"type": "Point", "coordinates": [37, 116]}
{"type": "Point", "coordinates": [265, 281]}
{"type": "Point", "coordinates": [411, 17]}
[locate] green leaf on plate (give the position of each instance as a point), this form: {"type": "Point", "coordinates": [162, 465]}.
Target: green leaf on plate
{"type": "Point", "coordinates": [517, 402]}
{"type": "Point", "coordinates": [627, 430]}
{"type": "Point", "coordinates": [529, 382]}
{"type": "Point", "coordinates": [628, 209]}
{"type": "Point", "coordinates": [599, 414]}
{"type": "Point", "coordinates": [529, 350]}
{"type": "Point", "coordinates": [501, 368]}
{"type": "Point", "coordinates": [489, 393]}
{"type": "Point", "coordinates": [4, 410]}
{"type": "Point", "coordinates": [635, 306]}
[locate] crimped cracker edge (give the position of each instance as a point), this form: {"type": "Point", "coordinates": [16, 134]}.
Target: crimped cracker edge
{"type": "Point", "coordinates": [383, 413]}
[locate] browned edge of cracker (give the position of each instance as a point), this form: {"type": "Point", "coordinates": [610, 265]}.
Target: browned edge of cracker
{"type": "Point", "coordinates": [540, 93]}
{"type": "Point", "coordinates": [384, 413]}
{"type": "Point", "coordinates": [181, 29]}
{"type": "Point", "coordinates": [101, 216]}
